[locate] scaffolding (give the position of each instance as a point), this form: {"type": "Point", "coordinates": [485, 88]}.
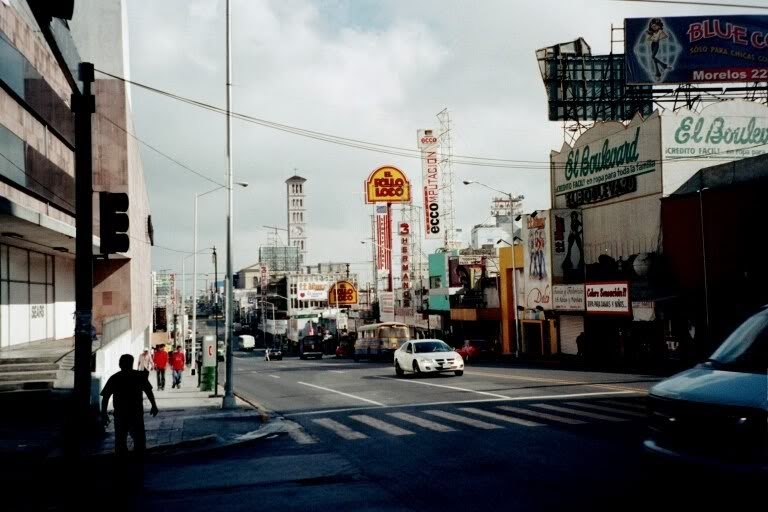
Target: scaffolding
{"type": "Point", "coordinates": [446, 173]}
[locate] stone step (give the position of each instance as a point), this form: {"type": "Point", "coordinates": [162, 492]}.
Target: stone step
{"type": "Point", "coordinates": [10, 386]}
{"type": "Point", "coordinates": [29, 367]}
{"type": "Point", "coordinates": [29, 376]}
{"type": "Point", "coordinates": [6, 360]}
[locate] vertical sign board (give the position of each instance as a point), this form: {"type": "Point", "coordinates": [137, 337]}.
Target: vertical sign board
{"type": "Point", "coordinates": [430, 177]}
{"type": "Point", "coordinates": [705, 48]}
{"type": "Point", "coordinates": [383, 238]}
{"type": "Point", "coordinates": [567, 246]}
{"type": "Point", "coordinates": [405, 265]}
{"type": "Point", "coordinates": [608, 298]}
{"type": "Point", "coordinates": [264, 282]}
{"type": "Point", "coordinates": [537, 270]}
{"type": "Point", "coordinates": [387, 306]}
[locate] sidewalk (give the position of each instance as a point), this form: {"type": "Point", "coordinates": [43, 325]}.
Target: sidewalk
{"type": "Point", "coordinates": [190, 419]}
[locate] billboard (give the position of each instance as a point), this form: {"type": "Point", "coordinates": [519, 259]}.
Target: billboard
{"type": "Point", "coordinates": [405, 262]}
{"type": "Point", "coordinates": [705, 48]}
{"type": "Point", "coordinates": [568, 297]}
{"type": "Point", "coordinates": [722, 131]}
{"type": "Point", "coordinates": [387, 185]}
{"type": "Point", "coordinates": [312, 290]}
{"type": "Point", "coordinates": [567, 246]}
{"type": "Point", "coordinates": [342, 293]}
{"type": "Point", "coordinates": [610, 298]}
{"type": "Point", "coordinates": [537, 269]}
{"type": "Point", "coordinates": [383, 238]}
{"type": "Point", "coordinates": [610, 162]}
{"type": "Point", "coordinates": [430, 177]}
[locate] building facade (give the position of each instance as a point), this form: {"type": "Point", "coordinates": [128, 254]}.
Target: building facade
{"type": "Point", "coordinates": [297, 222]}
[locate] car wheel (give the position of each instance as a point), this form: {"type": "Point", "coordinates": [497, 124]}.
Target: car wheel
{"type": "Point", "coordinates": [416, 370]}
{"type": "Point", "coordinates": [398, 371]}
{"type": "Point", "coordinates": [459, 373]}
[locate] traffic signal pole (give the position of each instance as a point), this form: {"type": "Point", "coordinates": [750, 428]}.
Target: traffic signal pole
{"type": "Point", "coordinates": [83, 105]}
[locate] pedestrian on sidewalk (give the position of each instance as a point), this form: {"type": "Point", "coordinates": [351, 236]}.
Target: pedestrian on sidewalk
{"type": "Point", "coordinates": [178, 363]}
{"type": "Point", "coordinates": [160, 362]}
{"type": "Point", "coordinates": [127, 387]}
{"type": "Point", "coordinates": [266, 354]}
{"type": "Point", "coordinates": [145, 363]}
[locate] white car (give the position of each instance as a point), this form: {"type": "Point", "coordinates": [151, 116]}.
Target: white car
{"type": "Point", "coordinates": [427, 356]}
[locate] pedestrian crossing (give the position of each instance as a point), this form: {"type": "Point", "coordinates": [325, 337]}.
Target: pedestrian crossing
{"type": "Point", "coordinates": [401, 424]}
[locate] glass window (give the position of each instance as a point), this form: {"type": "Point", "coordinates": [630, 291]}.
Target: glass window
{"type": "Point", "coordinates": [12, 164]}
{"type": "Point", "coordinates": [746, 349]}
{"type": "Point", "coordinates": [408, 348]}
{"type": "Point", "coordinates": [3, 262]}
{"type": "Point", "coordinates": [19, 265]}
{"type": "Point", "coordinates": [19, 311]}
{"type": "Point", "coordinates": [431, 346]}
{"type": "Point", "coordinates": [36, 267]}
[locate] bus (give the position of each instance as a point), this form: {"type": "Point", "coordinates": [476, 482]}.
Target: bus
{"type": "Point", "coordinates": [379, 341]}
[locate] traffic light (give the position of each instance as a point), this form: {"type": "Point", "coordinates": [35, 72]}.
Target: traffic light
{"type": "Point", "coordinates": [114, 221]}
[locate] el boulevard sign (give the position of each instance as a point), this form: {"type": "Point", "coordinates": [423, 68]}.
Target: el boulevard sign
{"type": "Point", "coordinates": [387, 185]}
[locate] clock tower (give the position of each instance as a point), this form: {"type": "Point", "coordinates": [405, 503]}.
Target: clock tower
{"type": "Point", "coordinates": [297, 233]}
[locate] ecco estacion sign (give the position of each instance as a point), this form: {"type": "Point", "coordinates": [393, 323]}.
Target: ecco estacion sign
{"type": "Point", "coordinates": [608, 161]}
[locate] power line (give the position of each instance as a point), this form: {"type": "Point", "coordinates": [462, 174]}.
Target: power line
{"type": "Point", "coordinates": [697, 4]}
{"type": "Point", "coordinates": [160, 152]}
{"type": "Point", "coordinates": [393, 150]}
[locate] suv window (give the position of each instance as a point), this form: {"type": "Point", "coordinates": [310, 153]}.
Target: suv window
{"type": "Point", "coordinates": [409, 348]}
{"type": "Point", "coordinates": [746, 349]}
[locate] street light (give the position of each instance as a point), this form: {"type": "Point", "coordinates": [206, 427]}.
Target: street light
{"type": "Point", "coordinates": [194, 267]}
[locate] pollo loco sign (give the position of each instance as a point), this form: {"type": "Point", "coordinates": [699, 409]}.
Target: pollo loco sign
{"type": "Point", "coordinates": [387, 185]}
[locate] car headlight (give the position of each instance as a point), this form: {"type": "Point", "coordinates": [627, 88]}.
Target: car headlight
{"type": "Point", "coordinates": [424, 360]}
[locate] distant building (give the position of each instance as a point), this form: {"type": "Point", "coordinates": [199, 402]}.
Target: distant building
{"type": "Point", "coordinates": [297, 227]}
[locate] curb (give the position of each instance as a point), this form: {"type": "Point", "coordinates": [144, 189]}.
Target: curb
{"type": "Point", "coordinates": [264, 413]}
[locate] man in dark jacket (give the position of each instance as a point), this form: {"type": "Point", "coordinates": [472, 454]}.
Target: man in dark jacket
{"type": "Point", "coordinates": [128, 386]}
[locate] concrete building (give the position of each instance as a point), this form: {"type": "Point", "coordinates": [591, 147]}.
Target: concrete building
{"type": "Point", "coordinates": [37, 185]}
{"type": "Point", "coordinates": [297, 222]}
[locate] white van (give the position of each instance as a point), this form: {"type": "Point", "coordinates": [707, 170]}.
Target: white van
{"type": "Point", "coordinates": [716, 413]}
{"type": "Point", "coordinates": [247, 342]}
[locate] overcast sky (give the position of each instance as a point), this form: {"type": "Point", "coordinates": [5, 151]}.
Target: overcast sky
{"type": "Point", "coordinates": [363, 69]}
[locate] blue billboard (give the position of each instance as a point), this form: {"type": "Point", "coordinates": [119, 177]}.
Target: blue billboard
{"type": "Point", "coordinates": [691, 49]}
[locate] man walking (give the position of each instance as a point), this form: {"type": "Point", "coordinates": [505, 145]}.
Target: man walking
{"type": "Point", "coordinates": [145, 363]}
{"type": "Point", "coordinates": [160, 362]}
{"type": "Point", "coordinates": [127, 387]}
{"type": "Point", "coordinates": [178, 363]}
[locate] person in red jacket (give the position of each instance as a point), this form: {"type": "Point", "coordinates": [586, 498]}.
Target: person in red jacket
{"type": "Point", "coordinates": [178, 362]}
{"type": "Point", "coordinates": [160, 361]}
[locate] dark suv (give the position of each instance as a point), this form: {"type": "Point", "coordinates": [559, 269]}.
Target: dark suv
{"type": "Point", "coordinates": [311, 346]}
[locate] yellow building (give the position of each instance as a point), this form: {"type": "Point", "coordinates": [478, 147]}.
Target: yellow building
{"type": "Point", "coordinates": [508, 261]}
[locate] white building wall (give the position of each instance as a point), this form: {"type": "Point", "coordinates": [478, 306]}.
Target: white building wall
{"type": "Point", "coordinates": [64, 308]}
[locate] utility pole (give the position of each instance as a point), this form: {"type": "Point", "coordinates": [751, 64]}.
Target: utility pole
{"type": "Point", "coordinates": [83, 105]}
{"type": "Point", "coordinates": [216, 309]}
{"type": "Point", "coordinates": [229, 396]}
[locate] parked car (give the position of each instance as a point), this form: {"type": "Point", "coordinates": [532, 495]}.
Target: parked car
{"type": "Point", "coordinates": [476, 350]}
{"type": "Point", "coordinates": [716, 414]}
{"type": "Point", "coordinates": [427, 356]}
{"type": "Point", "coordinates": [276, 353]}
{"type": "Point", "coordinates": [311, 346]}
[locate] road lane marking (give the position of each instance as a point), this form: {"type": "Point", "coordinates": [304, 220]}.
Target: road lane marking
{"type": "Point", "coordinates": [540, 415]}
{"type": "Point", "coordinates": [301, 437]}
{"type": "Point", "coordinates": [463, 419]}
{"type": "Point", "coordinates": [501, 417]}
{"type": "Point", "coordinates": [388, 428]}
{"type": "Point", "coordinates": [611, 410]}
{"type": "Point", "coordinates": [342, 393]}
{"type": "Point", "coordinates": [457, 402]}
{"type": "Point", "coordinates": [275, 376]}
{"type": "Point", "coordinates": [558, 381]}
{"type": "Point", "coordinates": [338, 371]}
{"type": "Point", "coordinates": [421, 422]}
{"type": "Point", "coordinates": [618, 403]}
{"type": "Point", "coordinates": [339, 429]}
{"type": "Point", "coordinates": [455, 388]}
{"type": "Point", "coordinates": [576, 412]}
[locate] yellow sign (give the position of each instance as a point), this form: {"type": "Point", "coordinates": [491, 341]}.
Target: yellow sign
{"type": "Point", "coordinates": [387, 185]}
{"type": "Point", "coordinates": [342, 293]}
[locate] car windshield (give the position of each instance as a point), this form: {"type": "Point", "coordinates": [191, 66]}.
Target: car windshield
{"type": "Point", "coordinates": [746, 349]}
{"type": "Point", "coordinates": [431, 346]}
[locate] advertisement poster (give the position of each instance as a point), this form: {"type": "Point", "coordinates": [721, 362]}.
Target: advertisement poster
{"type": "Point", "coordinates": [383, 238]}
{"type": "Point", "coordinates": [610, 298]}
{"type": "Point", "coordinates": [387, 306]}
{"type": "Point", "coordinates": [686, 49]}
{"type": "Point", "coordinates": [387, 185]}
{"type": "Point", "coordinates": [404, 231]}
{"type": "Point", "coordinates": [567, 247]}
{"type": "Point", "coordinates": [722, 131]}
{"type": "Point", "coordinates": [343, 293]}
{"type": "Point", "coordinates": [537, 270]}
{"type": "Point", "coordinates": [312, 290]}
{"type": "Point", "coordinates": [610, 162]}
{"type": "Point", "coordinates": [568, 297]}
{"type": "Point", "coordinates": [430, 177]}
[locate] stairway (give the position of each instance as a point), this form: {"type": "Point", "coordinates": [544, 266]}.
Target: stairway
{"type": "Point", "coordinates": [28, 373]}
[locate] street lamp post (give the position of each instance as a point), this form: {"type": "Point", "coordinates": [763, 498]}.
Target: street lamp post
{"type": "Point", "coordinates": [512, 200]}
{"type": "Point", "coordinates": [194, 268]}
